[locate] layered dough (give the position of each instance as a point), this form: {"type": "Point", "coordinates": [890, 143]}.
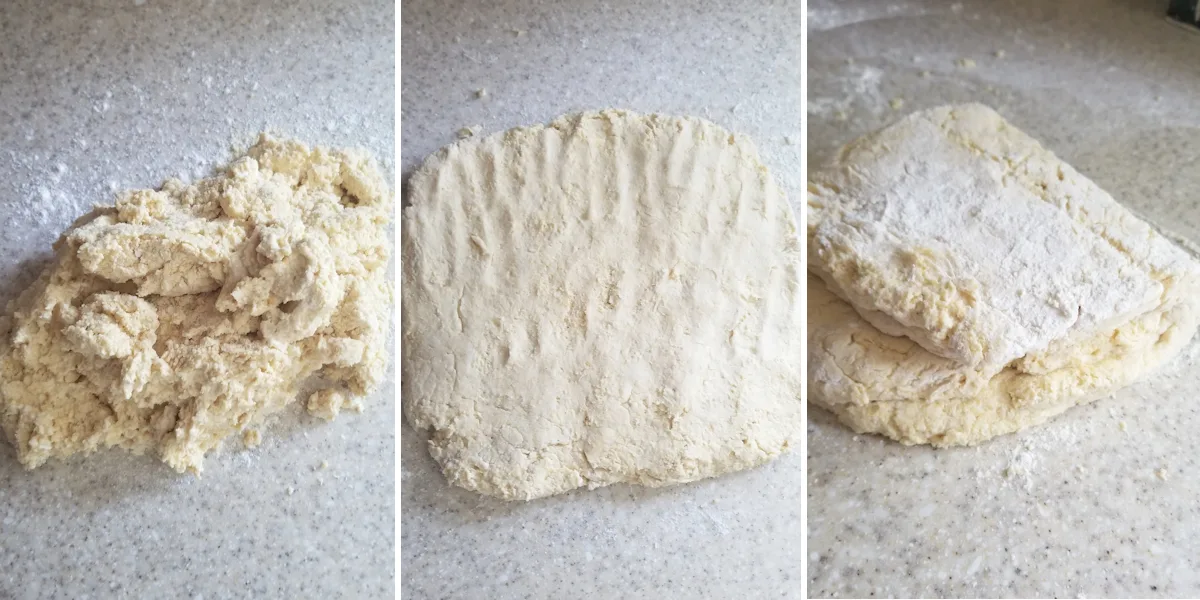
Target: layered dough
{"type": "Point", "coordinates": [177, 317]}
{"type": "Point", "coordinates": [968, 283]}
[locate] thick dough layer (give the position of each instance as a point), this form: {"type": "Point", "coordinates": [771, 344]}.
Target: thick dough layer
{"type": "Point", "coordinates": [878, 383]}
{"type": "Point", "coordinates": [872, 364]}
{"type": "Point", "coordinates": [610, 298]}
{"type": "Point", "coordinates": [953, 228]}
{"type": "Point", "coordinates": [177, 317]}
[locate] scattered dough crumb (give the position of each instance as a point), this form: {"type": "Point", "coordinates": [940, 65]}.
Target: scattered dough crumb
{"type": "Point", "coordinates": [965, 63]}
{"type": "Point", "coordinates": [1161, 473]}
{"type": "Point", "coordinates": [925, 74]}
{"type": "Point", "coordinates": [841, 115]}
{"type": "Point", "coordinates": [481, 93]}
{"type": "Point", "coordinates": [291, 490]}
{"type": "Point", "coordinates": [1123, 426]}
{"type": "Point", "coordinates": [999, 54]}
{"type": "Point", "coordinates": [517, 32]}
{"type": "Point", "coordinates": [251, 438]}
{"type": "Point", "coordinates": [897, 103]}
{"type": "Point", "coordinates": [324, 465]}
{"type": "Point", "coordinates": [467, 132]}
{"type": "Point", "coordinates": [328, 403]}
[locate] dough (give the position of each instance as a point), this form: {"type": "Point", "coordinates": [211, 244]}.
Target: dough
{"type": "Point", "coordinates": [974, 284]}
{"type": "Point", "coordinates": [177, 317]}
{"type": "Point", "coordinates": [610, 298]}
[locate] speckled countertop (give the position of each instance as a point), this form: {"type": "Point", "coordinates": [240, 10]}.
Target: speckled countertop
{"type": "Point", "coordinates": [1101, 502]}
{"type": "Point", "coordinates": [736, 63]}
{"type": "Point", "coordinates": [100, 96]}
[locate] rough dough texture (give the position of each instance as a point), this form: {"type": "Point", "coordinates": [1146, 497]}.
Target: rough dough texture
{"type": "Point", "coordinates": [951, 240]}
{"type": "Point", "coordinates": [610, 298]}
{"type": "Point", "coordinates": [177, 317]}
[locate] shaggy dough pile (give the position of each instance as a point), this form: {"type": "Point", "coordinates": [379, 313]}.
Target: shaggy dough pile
{"type": "Point", "coordinates": [177, 317]}
{"type": "Point", "coordinates": [610, 298]}
{"type": "Point", "coordinates": [972, 284]}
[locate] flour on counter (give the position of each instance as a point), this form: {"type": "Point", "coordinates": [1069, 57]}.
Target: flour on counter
{"type": "Point", "coordinates": [862, 83]}
{"type": "Point", "coordinates": [177, 317]}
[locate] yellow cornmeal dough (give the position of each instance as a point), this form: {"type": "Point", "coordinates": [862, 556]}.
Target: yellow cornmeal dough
{"type": "Point", "coordinates": [178, 317]}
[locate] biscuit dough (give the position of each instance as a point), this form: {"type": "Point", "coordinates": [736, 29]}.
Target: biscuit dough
{"type": "Point", "coordinates": [177, 317]}
{"type": "Point", "coordinates": [971, 283]}
{"type": "Point", "coordinates": [610, 298]}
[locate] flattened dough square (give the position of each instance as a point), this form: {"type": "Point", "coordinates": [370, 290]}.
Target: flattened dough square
{"type": "Point", "coordinates": [610, 298]}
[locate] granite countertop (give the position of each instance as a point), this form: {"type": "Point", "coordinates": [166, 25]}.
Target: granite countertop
{"type": "Point", "coordinates": [1100, 502]}
{"type": "Point", "coordinates": [102, 96]}
{"type": "Point", "coordinates": [735, 63]}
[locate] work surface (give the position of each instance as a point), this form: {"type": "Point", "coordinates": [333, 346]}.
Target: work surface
{"type": "Point", "coordinates": [735, 63]}
{"type": "Point", "coordinates": [103, 96]}
{"type": "Point", "coordinates": [1102, 501]}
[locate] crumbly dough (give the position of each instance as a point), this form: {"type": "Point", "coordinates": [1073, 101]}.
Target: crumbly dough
{"type": "Point", "coordinates": [973, 284]}
{"type": "Point", "coordinates": [328, 403]}
{"type": "Point", "coordinates": [177, 317]}
{"type": "Point", "coordinates": [610, 298]}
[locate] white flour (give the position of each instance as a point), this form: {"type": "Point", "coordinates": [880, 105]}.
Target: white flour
{"type": "Point", "coordinates": [861, 83]}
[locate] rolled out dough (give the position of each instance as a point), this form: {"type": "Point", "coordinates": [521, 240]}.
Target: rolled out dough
{"type": "Point", "coordinates": [609, 298]}
{"type": "Point", "coordinates": [971, 283]}
{"type": "Point", "coordinates": [177, 317]}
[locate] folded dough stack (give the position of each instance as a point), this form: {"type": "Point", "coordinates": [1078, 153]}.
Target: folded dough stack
{"type": "Point", "coordinates": [966, 283]}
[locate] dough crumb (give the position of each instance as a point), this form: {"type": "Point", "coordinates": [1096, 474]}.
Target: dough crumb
{"type": "Point", "coordinates": [327, 404]}
{"type": "Point", "coordinates": [925, 74]}
{"type": "Point", "coordinates": [1162, 473]}
{"type": "Point", "coordinates": [897, 103]}
{"type": "Point", "coordinates": [481, 93]}
{"type": "Point", "coordinates": [251, 438]}
{"type": "Point", "coordinates": [177, 317]}
{"type": "Point", "coordinates": [1123, 426]}
{"type": "Point", "coordinates": [965, 63]}
{"type": "Point", "coordinates": [323, 466]}
{"type": "Point", "coordinates": [998, 54]}
{"type": "Point", "coordinates": [467, 132]}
